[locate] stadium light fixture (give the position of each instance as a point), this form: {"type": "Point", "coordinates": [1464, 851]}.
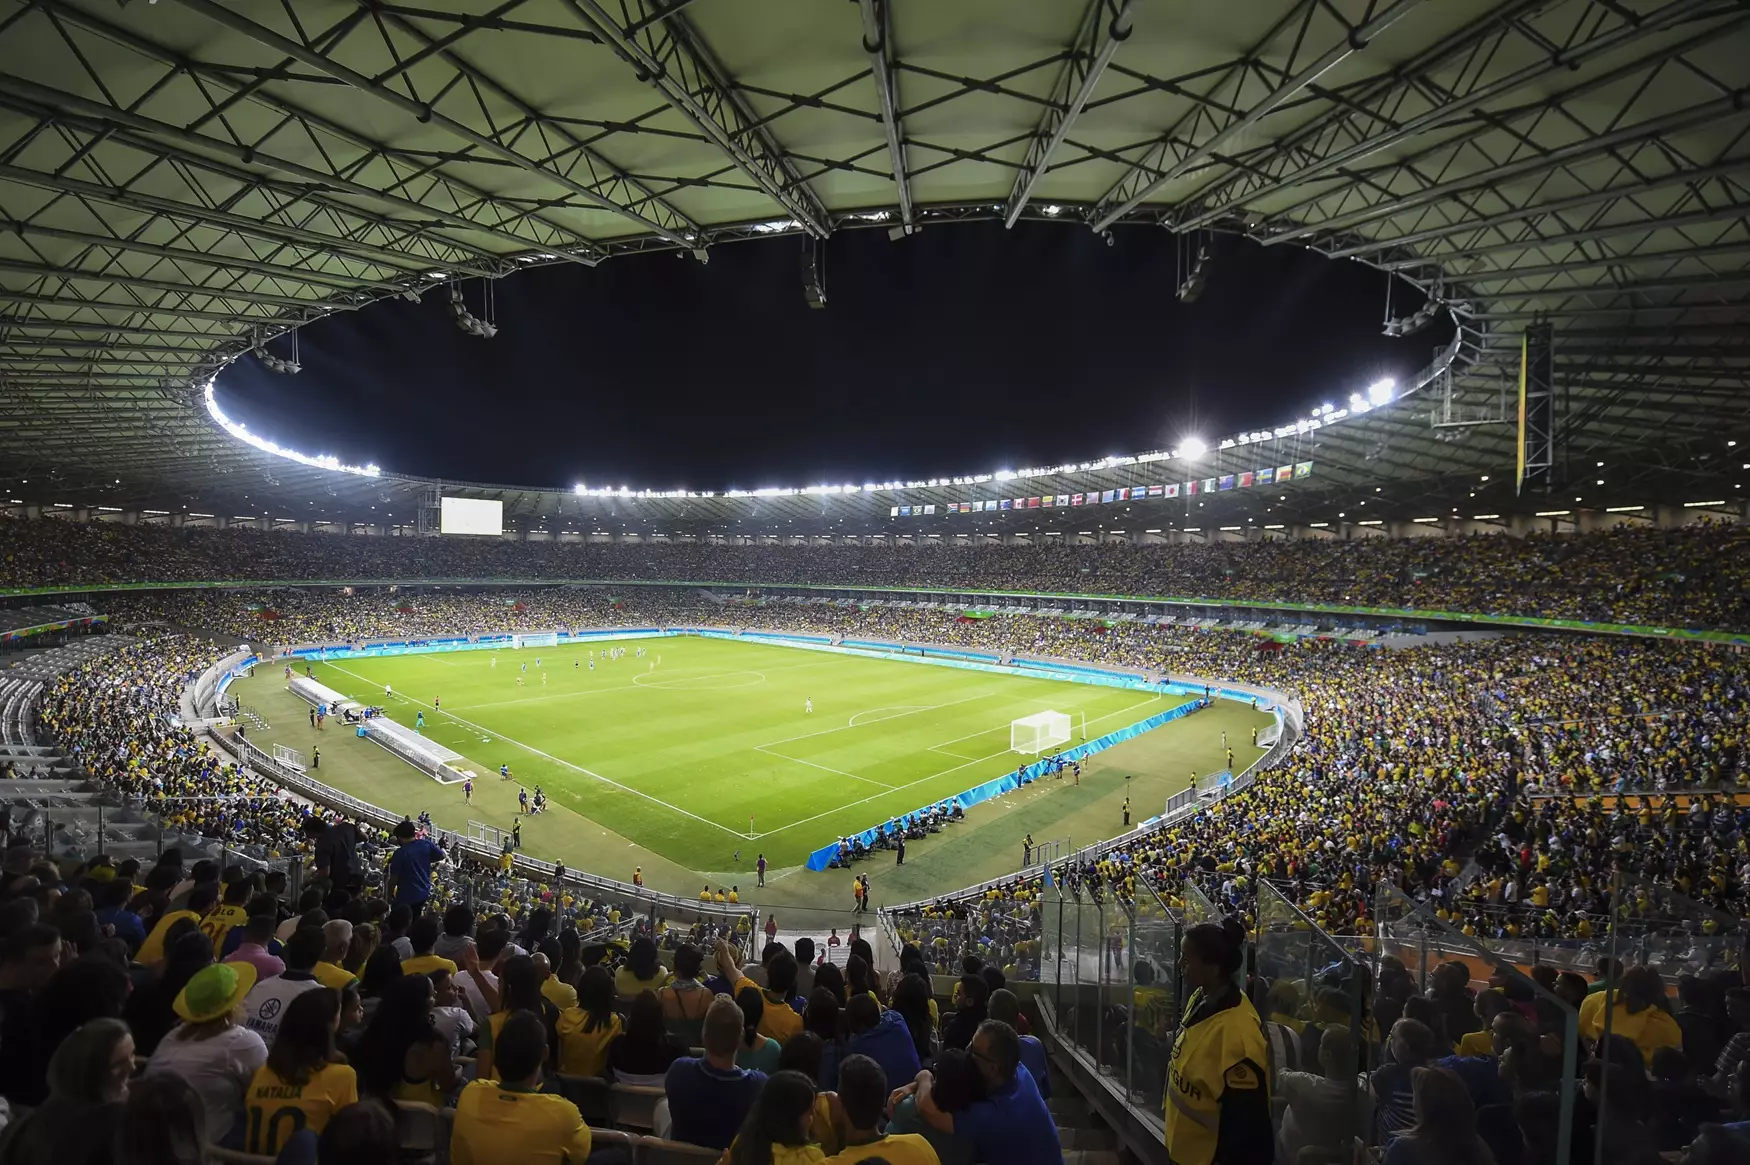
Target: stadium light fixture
{"type": "Point", "coordinates": [1375, 522]}
{"type": "Point", "coordinates": [1623, 509]}
{"type": "Point", "coordinates": [1696, 505]}
{"type": "Point", "coordinates": [1381, 392]}
{"type": "Point", "coordinates": [1319, 525]}
{"type": "Point", "coordinates": [1485, 517]}
{"type": "Point", "coordinates": [1191, 448]}
{"type": "Point", "coordinates": [241, 431]}
{"type": "Point", "coordinates": [1192, 288]}
{"type": "Point", "coordinates": [1554, 513]}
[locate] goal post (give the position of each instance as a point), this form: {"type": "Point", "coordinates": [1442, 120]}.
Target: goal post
{"type": "Point", "coordinates": [1034, 734]}
{"type": "Point", "coordinates": [541, 639]}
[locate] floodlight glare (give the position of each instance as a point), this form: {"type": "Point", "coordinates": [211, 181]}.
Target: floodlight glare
{"type": "Point", "coordinates": [1381, 391]}
{"type": "Point", "coordinates": [1193, 448]}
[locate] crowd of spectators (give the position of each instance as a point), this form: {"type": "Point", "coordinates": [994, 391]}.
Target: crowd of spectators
{"type": "Point", "coordinates": [1693, 576]}
{"type": "Point", "coordinates": [1557, 760]}
{"type": "Point", "coordinates": [150, 1013]}
{"type": "Point", "coordinates": [1554, 759]}
{"type": "Point", "coordinates": [293, 615]}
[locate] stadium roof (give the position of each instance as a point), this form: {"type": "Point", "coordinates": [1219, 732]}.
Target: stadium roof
{"type": "Point", "coordinates": [183, 181]}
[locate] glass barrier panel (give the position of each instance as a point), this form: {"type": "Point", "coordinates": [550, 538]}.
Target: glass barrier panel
{"type": "Point", "coordinates": [1313, 997]}
{"type": "Point", "coordinates": [1490, 1020]}
{"type": "Point", "coordinates": [1154, 1005]}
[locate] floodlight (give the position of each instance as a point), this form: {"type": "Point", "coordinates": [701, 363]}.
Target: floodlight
{"type": "Point", "coordinates": [1192, 288]}
{"type": "Point", "coordinates": [465, 319]}
{"type": "Point", "coordinates": [1381, 392]}
{"type": "Point", "coordinates": [1193, 448]}
{"type": "Point", "coordinates": [1411, 324]}
{"type": "Point", "coordinates": [273, 363]}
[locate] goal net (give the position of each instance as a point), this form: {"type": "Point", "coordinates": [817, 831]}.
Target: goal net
{"type": "Point", "coordinates": [545, 639]}
{"type": "Point", "coordinates": [1038, 732]}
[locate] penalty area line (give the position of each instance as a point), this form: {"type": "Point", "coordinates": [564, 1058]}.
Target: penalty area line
{"type": "Point", "coordinates": [823, 768]}
{"type": "Point", "coordinates": [561, 761]}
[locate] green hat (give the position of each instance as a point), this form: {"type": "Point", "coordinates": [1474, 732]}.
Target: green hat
{"type": "Point", "coordinates": [214, 990]}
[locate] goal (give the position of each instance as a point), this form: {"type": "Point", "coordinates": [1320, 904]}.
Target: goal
{"type": "Point", "coordinates": [545, 639]}
{"type": "Point", "coordinates": [1038, 732]}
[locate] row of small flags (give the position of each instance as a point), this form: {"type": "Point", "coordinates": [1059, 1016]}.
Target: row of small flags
{"type": "Point", "coordinates": [1208, 485]}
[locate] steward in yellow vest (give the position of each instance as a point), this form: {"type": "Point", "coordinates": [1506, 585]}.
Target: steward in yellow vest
{"type": "Point", "coordinates": [1218, 1084]}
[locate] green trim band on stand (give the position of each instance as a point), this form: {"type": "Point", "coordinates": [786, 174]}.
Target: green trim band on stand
{"type": "Point", "coordinates": [1687, 634]}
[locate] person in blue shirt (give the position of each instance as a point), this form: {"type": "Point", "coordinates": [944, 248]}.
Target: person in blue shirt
{"type": "Point", "coordinates": [1004, 1006]}
{"type": "Point", "coordinates": [880, 1035]}
{"type": "Point", "coordinates": [1011, 1124]}
{"type": "Point", "coordinates": [410, 867]}
{"type": "Point", "coordinates": [709, 1096]}
{"type": "Point", "coordinates": [112, 910]}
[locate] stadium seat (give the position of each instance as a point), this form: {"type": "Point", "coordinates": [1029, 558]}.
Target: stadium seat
{"type": "Point", "coordinates": [656, 1151]}
{"type": "Point", "coordinates": [635, 1106]}
{"type": "Point", "coordinates": [612, 1144]}
{"type": "Point", "coordinates": [592, 1096]}
{"type": "Point", "coordinates": [218, 1156]}
{"type": "Point", "coordinates": [422, 1132]}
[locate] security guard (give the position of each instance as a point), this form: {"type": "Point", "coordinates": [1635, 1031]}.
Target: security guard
{"type": "Point", "coordinates": [1218, 1092]}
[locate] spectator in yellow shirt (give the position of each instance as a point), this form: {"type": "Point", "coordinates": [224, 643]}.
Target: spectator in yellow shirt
{"type": "Point", "coordinates": [510, 1121]}
{"type": "Point", "coordinates": [304, 1082]}
{"type": "Point", "coordinates": [643, 971]}
{"type": "Point", "coordinates": [585, 1031]}
{"type": "Point", "coordinates": [423, 936]}
{"type": "Point", "coordinates": [1634, 1014]}
{"type": "Point", "coordinates": [232, 912]}
{"type": "Point", "coordinates": [779, 1021]}
{"type": "Point", "coordinates": [200, 900]}
{"type": "Point", "coordinates": [336, 940]}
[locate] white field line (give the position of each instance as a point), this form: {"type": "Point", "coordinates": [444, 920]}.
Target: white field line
{"type": "Point", "coordinates": [896, 709]}
{"type": "Point", "coordinates": [933, 776]}
{"type": "Point", "coordinates": [823, 768]}
{"type": "Point", "coordinates": [843, 727]}
{"type": "Point", "coordinates": [560, 761]}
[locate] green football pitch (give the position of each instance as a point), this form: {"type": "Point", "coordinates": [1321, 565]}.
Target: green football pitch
{"type": "Point", "coordinates": [704, 747]}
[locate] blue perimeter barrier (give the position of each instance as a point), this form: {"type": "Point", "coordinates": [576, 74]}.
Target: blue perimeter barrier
{"type": "Point", "coordinates": [821, 858]}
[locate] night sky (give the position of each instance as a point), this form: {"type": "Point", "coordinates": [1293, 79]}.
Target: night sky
{"type": "Point", "coordinates": [962, 349]}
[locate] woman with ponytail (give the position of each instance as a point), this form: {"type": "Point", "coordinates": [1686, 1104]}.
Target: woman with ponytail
{"type": "Point", "coordinates": [1218, 1091]}
{"type": "Point", "coordinates": [757, 1053]}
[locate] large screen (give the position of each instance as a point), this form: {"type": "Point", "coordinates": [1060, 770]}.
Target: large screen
{"type": "Point", "coordinates": [472, 516]}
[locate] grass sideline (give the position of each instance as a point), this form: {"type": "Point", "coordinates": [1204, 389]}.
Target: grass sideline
{"type": "Point", "coordinates": [672, 760]}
